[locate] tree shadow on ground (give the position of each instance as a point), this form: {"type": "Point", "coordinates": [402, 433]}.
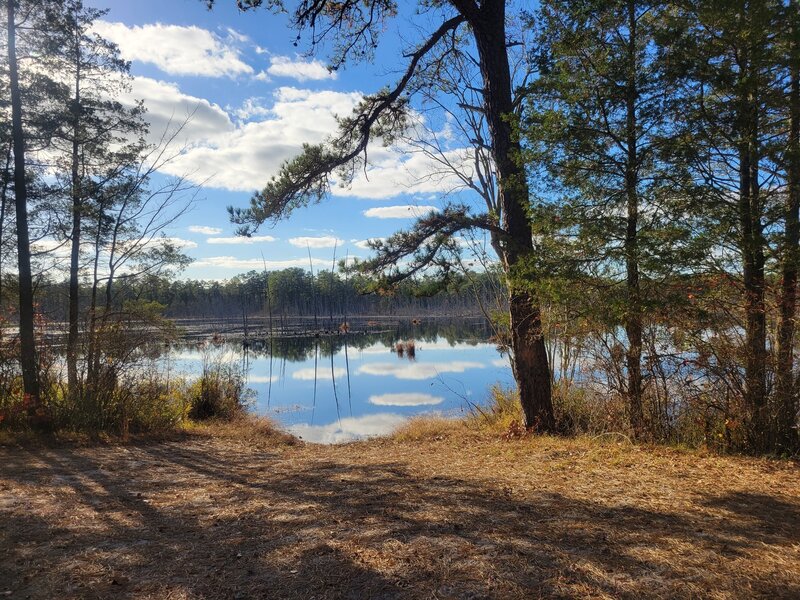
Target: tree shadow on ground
{"type": "Point", "coordinates": [191, 521]}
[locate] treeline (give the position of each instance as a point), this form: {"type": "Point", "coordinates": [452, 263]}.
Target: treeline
{"type": "Point", "coordinates": [295, 292]}
{"type": "Point", "coordinates": [284, 293]}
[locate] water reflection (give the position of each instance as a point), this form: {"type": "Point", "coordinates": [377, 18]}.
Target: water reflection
{"type": "Point", "coordinates": [405, 400]}
{"type": "Point", "coordinates": [348, 428]}
{"type": "Point", "coordinates": [337, 388]}
{"type": "Point", "coordinates": [319, 374]}
{"type": "Point", "coordinates": [418, 371]}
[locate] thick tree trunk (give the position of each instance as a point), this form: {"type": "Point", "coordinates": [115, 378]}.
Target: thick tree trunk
{"type": "Point", "coordinates": [633, 315]}
{"type": "Point", "coordinates": [30, 370]}
{"type": "Point", "coordinates": [531, 365]}
{"type": "Point", "coordinates": [785, 397]}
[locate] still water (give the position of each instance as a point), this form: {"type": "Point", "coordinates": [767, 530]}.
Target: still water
{"type": "Point", "coordinates": [340, 388]}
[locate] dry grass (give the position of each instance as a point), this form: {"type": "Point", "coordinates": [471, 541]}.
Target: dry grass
{"type": "Point", "coordinates": [426, 428]}
{"type": "Point", "coordinates": [454, 514]}
{"type": "Point", "coordinates": [253, 432]}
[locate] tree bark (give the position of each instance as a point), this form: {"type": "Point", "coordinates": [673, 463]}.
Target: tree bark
{"type": "Point", "coordinates": [3, 198]}
{"type": "Point", "coordinates": [752, 242]}
{"type": "Point", "coordinates": [530, 361]}
{"type": "Point", "coordinates": [30, 370]}
{"type": "Point", "coordinates": [633, 315]}
{"type": "Point", "coordinates": [785, 397]}
{"type": "Point", "coordinates": [75, 237]}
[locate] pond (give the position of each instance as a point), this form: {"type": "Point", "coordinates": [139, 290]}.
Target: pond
{"type": "Point", "coordinates": [338, 388]}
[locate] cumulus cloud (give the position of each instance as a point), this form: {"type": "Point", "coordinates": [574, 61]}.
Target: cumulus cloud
{"type": "Point", "coordinates": [364, 244]}
{"type": "Point", "coordinates": [246, 264]}
{"type": "Point", "coordinates": [316, 242]}
{"type": "Point", "coordinates": [241, 150]}
{"type": "Point", "coordinates": [299, 69]}
{"type": "Point", "coordinates": [244, 157]}
{"type": "Point", "coordinates": [401, 169]}
{"type": "Point", "coordinates": [204, 230]}
{"type": "Point", "coordinates": [252, 108]}
{"type": "Point", "coordinates": [176, 49]}
{"type": "Point", "coordinates": [399, 212]}
{"type": "Point", "coordinates": [202, 122]}
{"type": "Point", "coordinates": [242, 240]}
{"type": "Point", "coordinates": [174, 241]}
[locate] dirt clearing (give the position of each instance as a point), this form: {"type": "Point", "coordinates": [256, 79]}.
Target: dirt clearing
{"type": "Point", "coordinates": [462, 516]}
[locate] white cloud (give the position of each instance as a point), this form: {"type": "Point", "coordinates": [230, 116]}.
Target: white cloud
{"type": "Point", "coordinates": [232, 262]}
{"type": "Point", "coordinates": [348, 429]}
{"type": "Point", "coordinates": [316, 242]}
{"type": "Point", "coordinates": [250, 108]}
{"type": "Point", "coordinates": [242, 240]}
{"type": "Point", "coordinates": [501, 362]}
{"type": "Point", "coordinates": [418, 371]}
{"type": "Point", "coordinates": [56, 249]}
{"type": "Point", "coordinates": [237, 36]}
{"type": "Point", "coordinates": [299, 69]}
{"type": "Point", "coordinates": [168, 108]}
{"type": "Point", "coordinates": [204, 230]}
{"type": "Point", "coordinates": [399, 212]}
{"type": "Point", "coordinates": [240, 151]}
{"type": "Point", "coordinates": [176, 49]}
{"type": "Point", "coordinates": [364, 244]}
{"type": "Point", "coordinates": [244, 157]}
{"type": "Point", "coordinates": [175, 241]}
{"type": "Point", "coordinates": [405, 400]}
{"type": "Point", "coordinates": [401, 169]}
{"type": "Point", "coordinates": [308, 374]}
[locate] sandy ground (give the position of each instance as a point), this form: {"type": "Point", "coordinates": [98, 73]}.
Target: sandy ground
{"type": "Point", "coordinates": [462, 515]}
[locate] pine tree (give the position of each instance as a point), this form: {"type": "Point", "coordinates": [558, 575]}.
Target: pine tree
{"type": "Point", "coordinates": [598, 119]}
{"type": "Point", "coordinates": [97, 136]}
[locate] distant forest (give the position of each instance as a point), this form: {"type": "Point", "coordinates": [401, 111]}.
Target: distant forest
{"type": "Point", "coordinates": [288, 293]}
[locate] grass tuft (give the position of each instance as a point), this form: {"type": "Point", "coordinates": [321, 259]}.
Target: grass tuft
{"type": "Point", "coordinates": [426, 428]}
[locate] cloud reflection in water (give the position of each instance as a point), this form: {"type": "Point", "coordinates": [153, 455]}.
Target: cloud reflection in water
{"type": "Point", "coordinates": [349, 428]}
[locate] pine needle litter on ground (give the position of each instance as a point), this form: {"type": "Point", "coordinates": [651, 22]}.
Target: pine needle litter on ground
{"type": "Point", "coordinates": [459, 514]}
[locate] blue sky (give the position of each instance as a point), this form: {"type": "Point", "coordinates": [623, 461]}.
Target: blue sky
{"type": "Point", "coordinates": [255, 98]}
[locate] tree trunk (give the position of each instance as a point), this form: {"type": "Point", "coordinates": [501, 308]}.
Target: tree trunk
{"type": "Point", "coordinates": [785, 397]}
{"type": "Point", "coordinates": [92, 354]}
{"type": "Point", "coordinates": [752, 241]}
{"type": "Point", "coordinates": [75, 237]}
{"type": "Point", "coordinates": [30, 370]}
{"type": "Point", "coordinates": [633, 314]}
{"type": "Point", "coordinates": [3, 198]}
{"type": "Point", "coordinates": [531, 365]}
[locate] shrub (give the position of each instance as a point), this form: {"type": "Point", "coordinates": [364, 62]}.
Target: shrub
{"type": "Point", "coordinates": [220, 391]}
{"type": "Point", "coordinates": [500, 412]}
